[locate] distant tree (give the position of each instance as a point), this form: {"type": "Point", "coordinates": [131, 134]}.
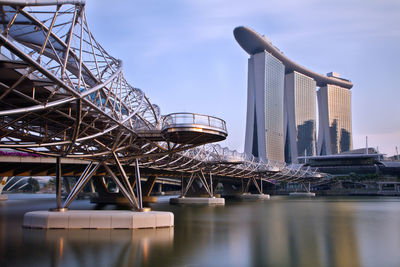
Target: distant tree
{"type": "Point", "coordinates": [33, 185]}
{"type": "Point", "coordinates": [51, 185]}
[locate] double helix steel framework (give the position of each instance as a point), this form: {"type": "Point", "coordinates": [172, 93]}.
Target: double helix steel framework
{"type": "Point", "coordinates": [63, 95]}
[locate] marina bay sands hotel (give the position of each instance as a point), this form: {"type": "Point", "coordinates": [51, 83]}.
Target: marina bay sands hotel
{"type": "Point", "coordinates": [281, 105]}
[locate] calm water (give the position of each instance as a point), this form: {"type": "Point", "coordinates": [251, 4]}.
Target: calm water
{"type": "Point", "coordinates": [279, 232]}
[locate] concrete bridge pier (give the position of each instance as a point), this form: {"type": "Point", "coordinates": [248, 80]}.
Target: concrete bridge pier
{"type": "Point", "coordinates": [307, 192]}
{"type": "Point", "coordinates": [248, 196]}
{"type": "Point", "coordinates": [243, 191]}
{"type": "Point", "coordinates": [103, 196]}
{"type": "Point", "coordinates": [198, 190]}
{"type": "Point", "coordinates": [61, 217]}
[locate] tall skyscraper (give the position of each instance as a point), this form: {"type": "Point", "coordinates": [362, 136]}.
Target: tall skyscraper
{"type": "Point", "coordinates": [335, 130]}
{"type": "Point", "coordinates": [281, 108]}
{"type": "Point", "coordinates": [264, 124]}
{"type": "Point", "coordinates": [300, 116]}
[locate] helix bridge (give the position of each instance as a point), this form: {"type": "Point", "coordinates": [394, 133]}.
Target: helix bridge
{"type": "Point", "coordinates": [63, 95]}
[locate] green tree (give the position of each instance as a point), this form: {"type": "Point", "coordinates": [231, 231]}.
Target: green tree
{"type": "Point", "coordinates": [33, 185]}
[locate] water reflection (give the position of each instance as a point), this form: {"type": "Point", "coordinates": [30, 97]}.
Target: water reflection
{"type": "Point", "coordinates": [282, 232]}
{"type": "Point", "coordinates": [99, 247]}
{"type": "Point", "coordinates": [279, 232]}
{"type": "Point", "coordinates": [304, 234]}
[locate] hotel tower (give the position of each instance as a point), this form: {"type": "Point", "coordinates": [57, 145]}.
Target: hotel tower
{"type": "Point", "coordinates": [281, 105]}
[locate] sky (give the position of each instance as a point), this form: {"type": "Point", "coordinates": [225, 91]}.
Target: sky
{"type": "Point", "coordinates": [183, 55]}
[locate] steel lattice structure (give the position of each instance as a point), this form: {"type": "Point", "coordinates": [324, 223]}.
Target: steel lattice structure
{"type": "Point", "coordinates": [218, 161]}
{"type": "Point", "coordinates": [63, 95]}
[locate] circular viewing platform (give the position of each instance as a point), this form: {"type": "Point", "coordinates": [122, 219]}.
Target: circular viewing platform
{"type": "Point", "coordinates": [191, 128]}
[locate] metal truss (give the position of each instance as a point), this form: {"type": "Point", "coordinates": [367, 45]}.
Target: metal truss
{"type": "Point", "coordinates": [222, 162]}
{"type": "Point", "coordinates": [63, 95]}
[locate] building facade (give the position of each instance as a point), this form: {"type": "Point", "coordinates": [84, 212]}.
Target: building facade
{"type": "Point", "coordinates": [281, 105]}
{"type": "Point", "coordinates": [300, 116]}
{"type": "Point", "coordinates": [265, 91]}
{"type": "Point", "coordinates": [335, 127]}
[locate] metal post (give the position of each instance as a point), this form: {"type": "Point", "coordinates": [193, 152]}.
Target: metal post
{"type": "Point", "coordinates": [182, 183]}
{"type": "Point", "coordinates": [188, 184]}
{"type": "Point", "coordinates": [138, 185]}
{"type": "Point", "coordinates": [58, 183]}
{"type": "Point", "coordinates": [211, 185]}
{"type": "Point", "coordinates": [131, 198]}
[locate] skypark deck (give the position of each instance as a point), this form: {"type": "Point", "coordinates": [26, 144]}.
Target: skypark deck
{"type": "Point", "coordinates": [253, 43]}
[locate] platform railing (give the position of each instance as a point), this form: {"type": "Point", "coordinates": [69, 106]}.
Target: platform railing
{"type": "Point", "coordinates": [183, 119]}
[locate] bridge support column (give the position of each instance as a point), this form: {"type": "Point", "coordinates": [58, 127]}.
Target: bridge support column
{"type": "Point", "coordinates": [58, 186]}
{"type": "Point", "coordinates": [90, 170]}
{"type": "Point", "coordinates": [3, 181]}
{"type": "Point", "coordinates": [307, 192]}
{"type": "Point", "coordinates": [104, 219]}
{"type": "Point", "coordinates": [124, 186]}
{"type": "Point", "coordinates": [259, 187]}
{"type": "Point", "coordinates": [58, 182]}
{"type": "Point", "coordinates": [138, 186]}
{"type": "Point", "coordinates": [148, 188]}
{"type": "Point", "coordinates": [207, 184]}
{"type": "Point", "coordinates": [160, 189]}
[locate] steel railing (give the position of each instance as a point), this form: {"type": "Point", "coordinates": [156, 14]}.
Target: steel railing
{"type": "Point", "coordinates": [185, 119]}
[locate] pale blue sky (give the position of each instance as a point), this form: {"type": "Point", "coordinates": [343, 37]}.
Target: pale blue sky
{"type": "Point", "coordinates": [183, 55]}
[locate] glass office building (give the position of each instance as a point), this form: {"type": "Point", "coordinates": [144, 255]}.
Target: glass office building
{"type": "Point", "coordinates": [300, 116]}
{"type": "Point", "coordinates": [335, 131]}
{"type": "Point", "coordinates": [265, 92]}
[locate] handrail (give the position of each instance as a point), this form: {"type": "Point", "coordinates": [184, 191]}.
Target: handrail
{"type": "Point", "coordinates": [185, 118]}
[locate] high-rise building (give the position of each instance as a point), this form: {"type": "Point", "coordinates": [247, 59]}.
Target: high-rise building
{"type": "Point", "coordinates": [281, 108]}
{"type": "Point", "coordinates": [300, 116]}
{"type": "Point", "coordinates": [335, 130]}
{"type": "Point", "coordinates": [264, 125]}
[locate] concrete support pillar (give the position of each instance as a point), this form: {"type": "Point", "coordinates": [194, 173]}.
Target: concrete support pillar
{"type": "Point", "coordinates": [199, 189]}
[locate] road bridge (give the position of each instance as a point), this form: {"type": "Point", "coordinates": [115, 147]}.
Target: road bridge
{"type": "Point", "coordinates": [63, 96]}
